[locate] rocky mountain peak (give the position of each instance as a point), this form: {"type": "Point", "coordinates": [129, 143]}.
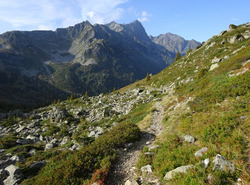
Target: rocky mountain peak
{"type": "Point", "coordinates": [175, 43]}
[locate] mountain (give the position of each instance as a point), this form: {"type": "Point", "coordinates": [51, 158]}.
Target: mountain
{"type": "Point", "coordinates": [45, 65]}
{"type": "Point", "coordinates": [175, 43]}
{"type": "Point", "coordinates": [188, 124]}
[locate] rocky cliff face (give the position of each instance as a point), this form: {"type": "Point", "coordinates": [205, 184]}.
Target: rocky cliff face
{"type": "Point", "coordinates": [94, 58]}
{"type": "Point", "coordinates": [175, 43]}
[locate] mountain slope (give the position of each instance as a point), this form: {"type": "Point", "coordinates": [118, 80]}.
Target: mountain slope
{"type": "Point", "coordinates": [175, 43]}
{"type": "Point", "coordinates": [94, 58]}
{"type": "Point", "coordinates": [192, 117]}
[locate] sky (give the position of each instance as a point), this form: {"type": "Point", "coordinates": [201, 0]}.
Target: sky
{"type": "Point", "coordinates": [191, 19]}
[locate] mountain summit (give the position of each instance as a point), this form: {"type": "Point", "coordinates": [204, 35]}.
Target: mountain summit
{"type": "Point", "coordinates": [175, 43]}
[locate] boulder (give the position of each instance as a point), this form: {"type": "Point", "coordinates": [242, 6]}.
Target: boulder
{"type": "Point", "coordinates": [23, 141]}
{"type": "Point", "coordinates": [75, 147]}
{"type": "Point", "coordinates": [189, 138]}
{"type": "Point", "coordinates": [49, 146]}
{"type": "Point", "coordinates": [153, 147]}
{"type": "Point", "coordinates": [200, 152]}
{"type": "Point", "coordinates": [213, 66]}
{"type": "Point", "coordinates": [146, 169]}
{"type": "Point", "coordinates": [182, 169]}
{"type": "Point", "coordinates": [206, 162]}
{"type": "Point", "coordinates": [131, 182]}
{"type": "Point", "coordinates": [38, 165]}
{"type": "Point", "coordinates": [232, 27]}
{"type": "Point", "coordinates": [16, 158]}
{"type": "Point", "coordinates": [57, 114]}
{"type": "Point", "coordinates": [216, 60]}
{"type": "Point", "coordinates": [15, 175]}
{"type": "Point", "coordinates": [235, 39]}
{"type": "Point", "coordinates": [222, 164]}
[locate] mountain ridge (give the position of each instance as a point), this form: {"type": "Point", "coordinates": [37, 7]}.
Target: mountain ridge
{"type": "Point", "coordinates": [175, 43]}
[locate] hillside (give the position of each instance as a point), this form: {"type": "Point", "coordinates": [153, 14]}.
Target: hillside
{"type": "Point", "coordinates": [175, 43]}
{"type": "Point", "coordinates": [189, 124]}
{"type": "Point", "coordinates": [48, 65]}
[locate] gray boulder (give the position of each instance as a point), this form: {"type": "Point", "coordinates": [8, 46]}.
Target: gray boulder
{"type": "Point", "coordinates": [189, 138]}
{"type": "Point", "coordinates": [182, 169]}
{"type": "Point", "coordinates": [146, 169]}
{"type": "Point", "coordinates": [38, 165]}
{"type": "Point", "coordinates": [49, 146]}
{"type": "Point", "coordinates": [15, 175]}
{"type": "Point", "coordinates": [222, 164]}
{"type": "Point", "coordinates": [200, 152]}
{"type": "Point", "coordinates": [57, 114]}
{"type": "Point", "coordinates": [131, 182]}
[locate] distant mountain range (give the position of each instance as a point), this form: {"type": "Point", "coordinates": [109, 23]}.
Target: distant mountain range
{"type": "Point", "coordinates": [37, 67]}
{"type": "Point", "coordinates": [175, 43]}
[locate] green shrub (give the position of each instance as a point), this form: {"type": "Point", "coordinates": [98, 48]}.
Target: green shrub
{"type": "Point", "coordinates": [78, 167]}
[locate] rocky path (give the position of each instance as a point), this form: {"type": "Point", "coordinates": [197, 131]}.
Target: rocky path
{"type": "Point", "coordinates": [124, 167]}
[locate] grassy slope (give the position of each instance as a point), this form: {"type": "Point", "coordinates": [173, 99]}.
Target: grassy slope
{"type": "Point", "coordinates": [218, 115]}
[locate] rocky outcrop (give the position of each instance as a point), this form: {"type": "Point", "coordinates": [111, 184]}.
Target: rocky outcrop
{"type": "Point", "coordinates": [182, 169]}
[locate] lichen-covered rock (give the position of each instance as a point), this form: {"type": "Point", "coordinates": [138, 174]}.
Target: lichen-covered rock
{"type": "Point", "coordinates": [146, 169]}
{"type": "Point", "coordinates": [182, 169]}
{"type": "Point", "coordinates": [189, 138]}
{"type": "Point", "coordinates": [200, 152]}
{"type": "Point", "coordinates": [15, 175]}
{"type": "Point", "coordinates": [221, 163]}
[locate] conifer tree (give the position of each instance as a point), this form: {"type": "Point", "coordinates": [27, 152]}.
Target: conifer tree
{"type": "Point", "coordinates": [86, 94]}
{"type": "Point", "coordinates": [178, 56]}
{"type": "Point", "coordinates": [147, 77]}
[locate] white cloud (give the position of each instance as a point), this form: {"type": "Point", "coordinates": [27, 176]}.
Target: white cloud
{"type": "Point", "coordinates": [50, 14]}
{"type": "Point", "coordinates": [144, 16]}
{"type": "Point", "coordinates": [235, 19]}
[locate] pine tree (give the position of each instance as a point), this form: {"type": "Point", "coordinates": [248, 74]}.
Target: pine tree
{"type": "Point", "coordinates": [178, 56]}
{"type": "Point", "coordinates": [147, 77]}
{"type": "Point", "coordinates": [86, 94]}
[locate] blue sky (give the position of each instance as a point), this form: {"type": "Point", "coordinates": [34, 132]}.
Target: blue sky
{"type": "Point", "coordinates": [191, 19]}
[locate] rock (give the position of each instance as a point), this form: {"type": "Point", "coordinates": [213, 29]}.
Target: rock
{"type": "Point", "coordinates": [222, 33]}
{"type": "Point", "coordinates": [189, 138]}
{"type": "Point", "coordinates": [235, 39]}
{"type": "Point", "coordinates": [38, 165]}
{"type": "Point", "coordinates": [32, 152]}
{"type": "Point", "coordinates": [206, 162]}
{"type": "Point", "coordinates": [146, 169]}
{"type": "Point", "coordinates": [222, 164]}
{"type": "Point", "coordinates": [96, 132]}
{"type": "Point", "coordinates": [57, 114]}
{"type": "Point", "coordinates": [200, 152]}
{"type": "Point", "coordinates": [107, 112]}
{"type": "Point", "coordinates": [75, 147]}
{"type": "Point", "coordinates": [231, 27]}
{"type": "Point", "coordinates": [216, 60]}
{"type": "Point", "coordinates": [246, 34]}
{"type": "Point", "coordinates": [213, 66]}
{"type": "Point", "coordinates": [131, 182]}
{"type": "Point", "coordinates": [210, 179]}
{"type": "Point", "coordinates": [64, 141]}
{"type": "Point", "coordinates": [16, 158]}
{"type": "Point", "coordinates": [15, 175]}
{"type": "Point", "coordinates": [182, 169]}
{"type": "Point", "coordinates": [153, 147]}
{"type": "Point", "coordinates": [3, 175]}
{"type": "Point", "coordinates": [49, 146]}
{"type": "Point", "coordinates": [23, 141]}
